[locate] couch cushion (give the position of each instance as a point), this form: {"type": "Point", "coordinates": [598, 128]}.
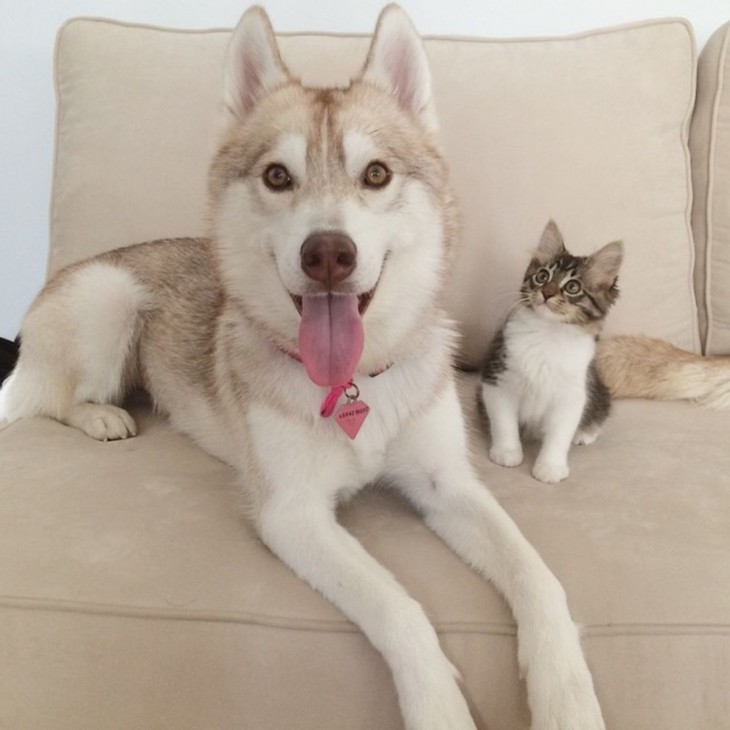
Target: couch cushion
{"type": "Point", "coordinates": [132, 588]}
{"type": "Point", "coordinates": [710, 146]}
{"type": "Point", "coordinates": [590, 130]}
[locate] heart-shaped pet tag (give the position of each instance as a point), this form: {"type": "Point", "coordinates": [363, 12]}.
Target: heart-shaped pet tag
{"type": "Point", "coordinates": [351, 415]}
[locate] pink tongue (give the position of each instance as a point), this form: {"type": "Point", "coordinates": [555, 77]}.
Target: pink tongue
{"type": "Point", "coordinates": [331, 337]}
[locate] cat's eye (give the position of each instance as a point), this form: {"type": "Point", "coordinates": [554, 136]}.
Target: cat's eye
{"type": "Point", "coordinates": [573, 287]}
{"type": "Point", "coordinates": [542, 276]}
{"type": "Point", "coordinates": [277, 178]}
{"type": "Point", "coordinates": [377, 175]}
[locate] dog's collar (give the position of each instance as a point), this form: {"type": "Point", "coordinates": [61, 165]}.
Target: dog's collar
{"type": "Point", "coordinates": [351, 392]}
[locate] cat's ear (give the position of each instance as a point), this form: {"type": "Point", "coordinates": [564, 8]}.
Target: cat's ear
{"type": "Point", "coordinates": [252, 66]}
{"type": "Point", "coordinates": [551, 243]}
{"type": "Point", "coordinates": [601, 268]}
{"type": "Point", "coordinates": [550, 247]}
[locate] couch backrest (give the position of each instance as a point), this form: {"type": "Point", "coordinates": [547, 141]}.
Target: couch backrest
{"type": "Point", "coordinates": [590, 130]}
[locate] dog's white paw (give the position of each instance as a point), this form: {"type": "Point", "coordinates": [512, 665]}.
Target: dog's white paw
{"type": "Point", "coordinates": [559, 685]}
{"type": "Point", "coordinates": [447, 712]}
{"type": "Point", "coordinates": [430, 698]}
{"type": "Point", "coordinates": [566, 703]}
{"type": "Point", "coordinates": [550, 473]}
{"type": "Point", "coordinates": [506, 457]}
{"type": "Point", "coordinates": [101, 422]}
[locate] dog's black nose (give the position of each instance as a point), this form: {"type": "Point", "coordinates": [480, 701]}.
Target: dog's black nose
{"type": "Point", "coordinates": [328, 258]}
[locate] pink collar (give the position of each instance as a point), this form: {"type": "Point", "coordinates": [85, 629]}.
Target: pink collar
{"type": "Point", "coordinates": [330, 400]}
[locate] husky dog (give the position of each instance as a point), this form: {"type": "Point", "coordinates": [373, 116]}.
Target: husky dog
{"type": "Point", "coordinates": [332, 224]}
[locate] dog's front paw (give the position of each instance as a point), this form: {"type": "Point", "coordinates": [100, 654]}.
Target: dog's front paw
{"type": "Point", "coordinates": [561, 696]}
{"type": "Point", "coordinates": [100, 421]}
{"type": "Point", "coordinates": [448, 711]}
{"type": "Point", "coordinates": [506, 456]}
{"type": "Point", "coordinates": [570, 704]}
{"type": "Point", "coordinates": [550, 473]}
{"type": "Point", "coordinates": [432, 700]}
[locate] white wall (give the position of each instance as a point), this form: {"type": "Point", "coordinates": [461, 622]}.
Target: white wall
{"type": "Point", "coordinates": [28, 27]}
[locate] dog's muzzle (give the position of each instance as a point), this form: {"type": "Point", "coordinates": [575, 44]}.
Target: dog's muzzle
{"type": "Point", "coordinates": [328, 258]}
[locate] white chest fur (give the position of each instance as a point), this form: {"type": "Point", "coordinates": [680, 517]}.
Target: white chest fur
{"type": "Point", "coordinates": [546, 363]}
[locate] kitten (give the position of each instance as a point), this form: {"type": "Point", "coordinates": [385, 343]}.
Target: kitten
{"type": "Point", "coordinates": [540, 372]}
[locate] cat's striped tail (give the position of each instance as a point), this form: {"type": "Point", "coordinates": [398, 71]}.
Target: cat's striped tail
{"type": "Point", "coordinates": [643, 367]}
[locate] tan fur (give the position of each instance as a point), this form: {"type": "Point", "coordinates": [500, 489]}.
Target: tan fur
{"type": "Point", "coordinates": [643, 367]}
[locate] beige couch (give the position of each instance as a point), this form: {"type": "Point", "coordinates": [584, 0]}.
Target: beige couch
{"type": "Point", "coordinates": [132, 592]}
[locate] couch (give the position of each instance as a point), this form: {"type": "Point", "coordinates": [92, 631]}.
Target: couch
{"type": "Point", "coordinates": [133, 593]}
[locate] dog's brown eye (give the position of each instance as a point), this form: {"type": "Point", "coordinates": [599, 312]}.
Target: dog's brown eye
{"type": "Point", "coordinates": [377, 175]}
{"type": "Point", "coordinates": [277, 178]}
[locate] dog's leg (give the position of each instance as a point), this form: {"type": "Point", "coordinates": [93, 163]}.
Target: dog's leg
{"type": "Point", "coordinates": [430, 463]}
{"type": "Point", "coordinates": [296, 520]}
{"type": "Point", "coordinates": [76, 342]}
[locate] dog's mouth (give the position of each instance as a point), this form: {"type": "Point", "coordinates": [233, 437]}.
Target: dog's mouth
{"type": "Point", "coordinates": [363, 300]}
{"type": "Point", "coordinates": [331, 334]}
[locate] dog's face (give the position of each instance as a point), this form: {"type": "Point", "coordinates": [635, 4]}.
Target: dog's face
{"type": "Point", "coordinates": [331, 207]}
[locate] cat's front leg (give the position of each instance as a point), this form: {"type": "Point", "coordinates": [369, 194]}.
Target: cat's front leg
{"type": "Point", "coordinates": [560, 425]}
{"type": "Point", "coordinates": [587, 435]}
{"type": "Point", "coordinates": [502, 407]}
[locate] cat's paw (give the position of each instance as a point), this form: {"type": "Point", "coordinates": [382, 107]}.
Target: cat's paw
{"type": "Point", "coordinates": [506, 457]}
{"type": "Point", "coordinates": [585, 436]}
{"type": "Point", "coordinates": [550, 473]}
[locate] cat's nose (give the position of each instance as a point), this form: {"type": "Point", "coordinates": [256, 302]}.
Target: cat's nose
{"type": "Point", "coordinates": [550, 290]}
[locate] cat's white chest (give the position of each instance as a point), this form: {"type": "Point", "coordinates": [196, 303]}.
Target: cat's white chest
{"type": "Point", "coordinates": [547, 364]}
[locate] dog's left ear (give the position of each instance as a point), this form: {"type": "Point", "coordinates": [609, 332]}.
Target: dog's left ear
{"type": "Point", "coordinates": [252, 65]}
{"type": "Point", "coordinates": [397, 63]}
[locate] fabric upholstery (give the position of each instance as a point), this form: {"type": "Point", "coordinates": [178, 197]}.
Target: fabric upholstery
{"type": "Point", "coordinates": [710, 146]}
{"type": "Point", "coordinates": [134, 593]}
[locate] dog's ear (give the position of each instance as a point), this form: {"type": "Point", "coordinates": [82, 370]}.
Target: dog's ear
{"type": "Point", "coordinates": [252, 65]}
{"type": "Point", "coordinates": [397, 63]}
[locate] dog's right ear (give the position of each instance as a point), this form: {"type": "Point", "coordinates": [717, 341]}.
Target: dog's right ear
{"type": "Point", "coordinates": [398, 64]}
{"type": "Point", "coordinates": [252, 65]}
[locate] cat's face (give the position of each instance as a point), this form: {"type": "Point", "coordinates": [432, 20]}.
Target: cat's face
{"type": "Point", "coordinates": [571, 289]}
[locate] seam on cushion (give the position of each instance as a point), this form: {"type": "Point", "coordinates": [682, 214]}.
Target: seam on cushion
{"type": "Point", "coordinates": [53, 204]}
{"type": "Point", "coordinates": [709, 243]}
{"type": "Point", "coordinates": [684, 141]}
{"type": "Point", "coordinates": [339, 626]}
{"type": "Point", "coordinates": [621, 27]}
{"type": "Point", "coordinates": [212, 616]}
